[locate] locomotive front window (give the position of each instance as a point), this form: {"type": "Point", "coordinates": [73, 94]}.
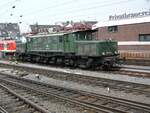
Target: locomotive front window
{"type": "Point", "coordinates": [29, 39]}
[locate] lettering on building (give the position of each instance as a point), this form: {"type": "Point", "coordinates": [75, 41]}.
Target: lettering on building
{"type": "Point", "coordinates": [130, 15]}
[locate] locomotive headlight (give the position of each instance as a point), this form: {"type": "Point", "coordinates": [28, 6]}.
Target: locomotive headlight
{"type": "Point", "coordinates": [103, 53]}
{"type": "Point", "coordinates": [116, 52]}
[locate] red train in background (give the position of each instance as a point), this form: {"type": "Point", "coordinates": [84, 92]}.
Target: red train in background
{"type": "Point", "coordinates": [8, 46]}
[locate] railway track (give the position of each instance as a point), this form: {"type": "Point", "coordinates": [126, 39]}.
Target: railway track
{"type": "Point", "coordinates": [2, 110]}
{"type": "Point", "coordinates": [39, 98]}
{"type": "Point", "coordinates": [142, 62]}
{"type": "Point", "coordinates": [116, 85]}
{"type": "Point", "coordinates": [133, 71]}
{"type": "Point", "coordinates": [94, 102]}
{"type": "Point", "coordinates": [11, 102]}
{"type": "Point", "coordinates": [124, 70]}
{"type": "Point", "coordinates": [128, 87]}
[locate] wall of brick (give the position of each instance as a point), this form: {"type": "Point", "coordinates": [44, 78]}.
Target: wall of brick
{"type": "Point", "coordinates": [125, 32]}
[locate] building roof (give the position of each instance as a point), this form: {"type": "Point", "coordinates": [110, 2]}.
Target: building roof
{"type": "Point", "coordinates": [121, 22]}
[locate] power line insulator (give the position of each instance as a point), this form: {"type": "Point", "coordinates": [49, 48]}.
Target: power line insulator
{"type": "Point", "coordinates": [13, 7]}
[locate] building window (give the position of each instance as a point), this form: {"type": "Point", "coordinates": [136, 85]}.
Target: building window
{"type": "Point", "coordinates": [144, 37]}
{"type": "Point", "coordinates": [112, 29]}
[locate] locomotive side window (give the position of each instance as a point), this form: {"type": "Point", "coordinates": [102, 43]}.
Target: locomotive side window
{"type": "Point", "coordinates": [144, 37]}
{"type": "Point", "coordinates": [60, 39]}
{"type": "Point", "coordinates": [67, 38]}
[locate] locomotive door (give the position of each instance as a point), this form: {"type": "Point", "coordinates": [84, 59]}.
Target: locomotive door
{"type": "Point", "coordinates": [69, 43]}
{"type": "Point", "coordinates": [5, 46]}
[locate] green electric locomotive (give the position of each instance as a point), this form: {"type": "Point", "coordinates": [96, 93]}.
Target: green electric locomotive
{"type": "Point", "coordinates": [76, 49]}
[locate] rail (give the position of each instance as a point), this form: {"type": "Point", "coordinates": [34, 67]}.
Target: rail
{"type": "Point", "coordinates": [88, 100]}
{"type": "Point", "coordinates": [24, 100]}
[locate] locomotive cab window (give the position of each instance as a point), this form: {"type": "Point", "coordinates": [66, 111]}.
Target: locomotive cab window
{"type": "Point", "coordinates": [29, 39]}
{"type": "Point", "coordinates": [112, 29]}
{"type": "Point", "coordinates": [144, 37]}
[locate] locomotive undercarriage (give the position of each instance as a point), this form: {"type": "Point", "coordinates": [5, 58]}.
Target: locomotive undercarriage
{"type": "Point", "coordinates": [71, 60]}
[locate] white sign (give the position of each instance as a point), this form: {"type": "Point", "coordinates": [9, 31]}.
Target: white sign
{"type": "Point", "coordinates": [130, 15]}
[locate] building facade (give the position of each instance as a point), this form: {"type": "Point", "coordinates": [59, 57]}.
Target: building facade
{"type": "Point", "coordinates": [130, 32]}
{"type": "Point", "coordinates": [9, 30]}
{"type": "Point", "coordinates": [133, 36]}
{"type": "Point", "coordinates": [44, 28]}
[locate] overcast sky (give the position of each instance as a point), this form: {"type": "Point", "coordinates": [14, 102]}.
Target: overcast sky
{"type": "Point", "coordinates": [51, 11]}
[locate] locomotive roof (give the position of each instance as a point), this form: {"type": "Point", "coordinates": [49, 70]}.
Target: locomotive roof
{"type": "Point", "coordinates": [58, 34]}
{"type": "Point", "coordinates": [77, 31]}
{"type": "Point", "coordinates": [95, 41]}
{"type": "Point", "coordinates": [46, 35]}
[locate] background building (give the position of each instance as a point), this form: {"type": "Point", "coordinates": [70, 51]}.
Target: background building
{"type": "Point", "coordinates": [44, 28]}
{"type": "Point", "coordinates": [9, 31]}
{"type": "Point", "coordinates": [133, 36]}
{"type": "Point", "coordinates": [125, 30]}
{"type": "Point", "coordinates": [62, 27]}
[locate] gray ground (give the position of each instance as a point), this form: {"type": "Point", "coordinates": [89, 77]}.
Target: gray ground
{"type": "Point", "coordinates": [89, 88]}
{"type": "Point", "coordinates": [142, 80]}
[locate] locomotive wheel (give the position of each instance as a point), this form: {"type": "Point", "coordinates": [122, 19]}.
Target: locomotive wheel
{"type": "Point", "coordinates": [45, 61]}
{"type": "Point", "coordinates": [37, 59]}
{"type": "Point", "coordinates": [59, 61]}
{"type": "Point", "coordinates": [106, 66]}
{"type": "Point", "coordinates": [89, 63]}
{"type": "Point", "coordinates": [85, 63]}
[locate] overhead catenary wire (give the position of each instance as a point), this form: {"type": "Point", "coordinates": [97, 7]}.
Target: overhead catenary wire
{"type": "Point", "coordinates": [75, 10]}
{"type": "Point", "coordinates": [49, 7]}
{"type": "Point", "coordinates": [94, 7]}
{"type": "Point", "coordinates": [54, 6]}
{"type": "Point", "coordinates": [7, 3]}
{"type": "Point", "coordinates": [7, 6]}
{"type": "Point", "coordinates": [79, 10]}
